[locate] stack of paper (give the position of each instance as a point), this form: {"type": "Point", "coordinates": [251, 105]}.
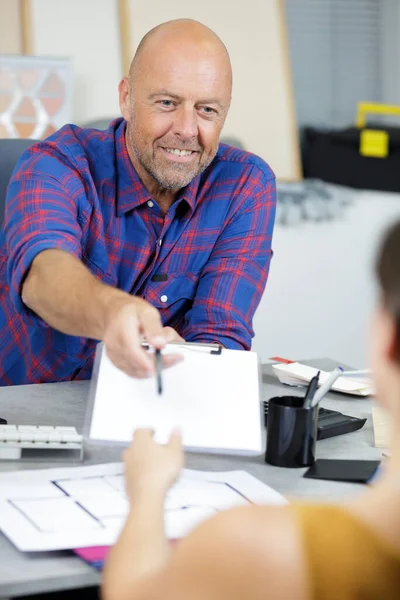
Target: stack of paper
{"type": "Point", "coordinates": [297, 374]}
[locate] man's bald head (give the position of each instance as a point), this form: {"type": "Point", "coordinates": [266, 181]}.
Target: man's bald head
{"type": "Point", "coordinates": [178, 35]}
{"type": "Point", "coordinates": [175, 102]}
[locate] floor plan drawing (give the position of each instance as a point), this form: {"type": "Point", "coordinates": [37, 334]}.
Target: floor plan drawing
{"type": "Point", "coordinates": [87, 506]}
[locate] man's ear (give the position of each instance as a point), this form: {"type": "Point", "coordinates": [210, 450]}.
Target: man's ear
{"type": "Point", "coordinates": [123, 90]}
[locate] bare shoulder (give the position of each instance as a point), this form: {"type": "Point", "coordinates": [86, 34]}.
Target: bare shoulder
{"type": "Point", "coordinates": [245, 553]}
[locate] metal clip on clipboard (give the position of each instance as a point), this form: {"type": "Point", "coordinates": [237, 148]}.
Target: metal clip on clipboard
{"type": "Point", "coordinates": [196, 346]}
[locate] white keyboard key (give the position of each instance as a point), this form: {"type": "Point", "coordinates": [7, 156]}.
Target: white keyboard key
{"type": "Point", "coordinates": [16, 442]}
{"type": "Point", "coordinates": [40, 436]}
{"type": "Point", "coordinates": [25, 436]}
{"type": "Point", "coordinates": [66, 429]}
{"type": "Point", "coordinates": [71, 437]}
{"type": "Point", "coordinates": [8, 433]}
{"type": "Point", "coordinates": [55, 437]}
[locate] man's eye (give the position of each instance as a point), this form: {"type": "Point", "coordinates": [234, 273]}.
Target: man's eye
{"type": "Point", "coordinates": [166, 103]}
{"type": "Point", "coordinates": [208, 110]}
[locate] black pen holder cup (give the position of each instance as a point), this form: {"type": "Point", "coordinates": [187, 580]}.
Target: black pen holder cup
{"type": "Point", "coordinates": [291, 432]}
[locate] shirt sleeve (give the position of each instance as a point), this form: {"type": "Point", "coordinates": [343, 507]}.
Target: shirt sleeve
{"type": "Point", "coordinates": [236, 273]}
{"type": "Point", "coordinates": [41, 213]}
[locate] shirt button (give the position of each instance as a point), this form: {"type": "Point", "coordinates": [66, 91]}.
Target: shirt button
{"type": "Point", "coordinates": [164, 298]}
{"type": "Point", "coordinates": [159, 242]}
{"type": "Point", "coordinates": [150, 204]}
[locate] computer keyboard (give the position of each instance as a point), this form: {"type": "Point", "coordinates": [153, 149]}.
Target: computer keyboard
{"type": "Point", "coordinates": [40, 442]}
{"type": "Point", "coordinates": [330, 422]}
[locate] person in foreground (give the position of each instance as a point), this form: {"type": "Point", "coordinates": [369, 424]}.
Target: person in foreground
{"type": "Point", "coordinates": [301, 551]}
{"type": "Point", "coordinates": [150, 229]}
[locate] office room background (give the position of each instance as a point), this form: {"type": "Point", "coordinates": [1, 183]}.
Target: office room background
{"type": "Point", "coordinates": [301, 67]}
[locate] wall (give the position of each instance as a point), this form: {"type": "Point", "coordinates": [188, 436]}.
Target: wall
{"type": "Point", "coordinates": [391, 52]}
{"type": "Point", "coordinates": [261, 114]}
{"type": "Point", "coordinates": [10, 34]}
{"type": "Point", "coordinates": [337, 57]}
{"type": "Point", "coordinates": [321, 287]}
{"type": "Point", "coordinates": [86, 30]}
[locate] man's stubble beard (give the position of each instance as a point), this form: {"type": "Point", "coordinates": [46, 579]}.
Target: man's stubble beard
{"type": "Point", "coordinates": [173, 180]}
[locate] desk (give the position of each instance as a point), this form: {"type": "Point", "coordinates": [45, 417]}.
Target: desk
{"type": "Point", "coordinates": [64, 404]}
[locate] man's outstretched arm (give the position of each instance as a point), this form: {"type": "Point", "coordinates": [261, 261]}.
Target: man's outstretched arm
{"type": "Point", "coordinates": [62, 291]}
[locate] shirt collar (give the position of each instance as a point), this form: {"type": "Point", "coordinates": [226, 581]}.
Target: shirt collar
{"type": "Point", "coordinates": [131, 191]}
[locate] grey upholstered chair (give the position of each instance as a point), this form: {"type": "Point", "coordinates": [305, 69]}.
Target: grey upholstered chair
{"type": "Point", "coordinates": [10, 151]}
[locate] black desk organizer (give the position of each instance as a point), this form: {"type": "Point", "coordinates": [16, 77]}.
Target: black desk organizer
{"type": "Point", "coordinates": [330, 422]}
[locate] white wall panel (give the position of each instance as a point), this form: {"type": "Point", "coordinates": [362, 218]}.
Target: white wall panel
{"type": "Point", "coordinates": [87, 31]}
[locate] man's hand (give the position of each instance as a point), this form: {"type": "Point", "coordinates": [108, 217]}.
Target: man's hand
{"type": "Point", "coordinates": [127, 324]}
{"type": "Point", "coordinates": [62, 291]}
{"type": "Point", "coordinates": [171, 335]}
{"type": "Point", "coordinates": [151, 468]}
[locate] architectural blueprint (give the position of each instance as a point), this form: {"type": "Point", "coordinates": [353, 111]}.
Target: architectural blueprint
{"type": "Point", "coordinates": [74, 507]}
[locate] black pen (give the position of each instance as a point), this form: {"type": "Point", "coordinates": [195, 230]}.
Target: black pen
{"type": "Point", "coordinates": [312, 388]}
{"type": "Point", "coordinates": [158, 357]}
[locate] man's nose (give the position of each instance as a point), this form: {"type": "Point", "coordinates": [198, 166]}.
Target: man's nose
{"type": "Point", "coordinates": [185, 123]}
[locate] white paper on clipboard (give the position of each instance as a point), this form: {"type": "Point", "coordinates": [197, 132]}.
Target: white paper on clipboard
{"type": "Point", "coordinates": [213, 399]}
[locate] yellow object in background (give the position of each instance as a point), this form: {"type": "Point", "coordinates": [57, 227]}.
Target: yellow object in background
{"type": "Point", "coordinates": [374, 142]}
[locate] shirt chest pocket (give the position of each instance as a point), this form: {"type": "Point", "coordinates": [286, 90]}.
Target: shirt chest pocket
{"type": "Point", "coordinates": [177, 292]}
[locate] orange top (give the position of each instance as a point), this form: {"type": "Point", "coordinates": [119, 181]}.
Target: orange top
{"type": "Point", "coordinates": [346, 559]}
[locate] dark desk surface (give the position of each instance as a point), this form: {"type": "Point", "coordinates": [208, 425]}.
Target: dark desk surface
{"type": "Point", "coordinates": [64, 404]}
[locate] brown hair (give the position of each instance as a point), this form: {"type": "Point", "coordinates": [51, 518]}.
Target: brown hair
{"type": "Point", "coordinates": [388, 271]}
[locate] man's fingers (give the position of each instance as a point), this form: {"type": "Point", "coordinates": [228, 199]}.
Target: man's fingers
{"type": "Point", "coordinates": [151, 326]}
{"type": "Point", "coordinates": [171, 335]}
{"type": "Point", "coordinates": [123, 340]}
{"type": "Point", "coordinates": [124, 335]}
{"type": "Point", "coordinates": [169, 360]}
{"type": "Point", "coordinates": [135, 356]}
{"type": "Point", "coordinates": [133, 370]}
{"type": "Point", "coordinates": [140, 368]}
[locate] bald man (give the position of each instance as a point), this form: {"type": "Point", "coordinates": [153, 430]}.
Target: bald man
{"type": "Point", "coordinates": [150, 229]}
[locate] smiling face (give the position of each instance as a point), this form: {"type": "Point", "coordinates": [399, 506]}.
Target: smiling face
{"type": "Point", "coordinates": [175, 104]}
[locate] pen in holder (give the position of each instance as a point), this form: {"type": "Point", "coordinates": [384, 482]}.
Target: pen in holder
{"type": "Point", "coordinates": [291, 432]}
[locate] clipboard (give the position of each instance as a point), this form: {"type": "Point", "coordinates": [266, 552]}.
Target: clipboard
{"type": "Point", "coordinates": [213, 396]}
{"type": "Point", "coordinates": [196, 346]}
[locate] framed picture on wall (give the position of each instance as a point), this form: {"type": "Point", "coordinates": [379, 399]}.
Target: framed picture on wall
{"type": "Point", "coordinates": [35, 95]}
{"type": "Point", "coordinates": [83, 87]}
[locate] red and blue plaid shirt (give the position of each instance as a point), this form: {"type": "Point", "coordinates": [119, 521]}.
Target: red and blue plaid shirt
{"type": "Point", "coordinates": [204, 265]}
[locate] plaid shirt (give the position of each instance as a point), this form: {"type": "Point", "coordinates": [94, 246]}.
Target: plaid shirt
{"type": "Point", "coordinates": [204, 265]}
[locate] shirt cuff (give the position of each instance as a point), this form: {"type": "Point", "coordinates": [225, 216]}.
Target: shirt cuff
{"type": "Point", "coordinates": [226, 342]}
